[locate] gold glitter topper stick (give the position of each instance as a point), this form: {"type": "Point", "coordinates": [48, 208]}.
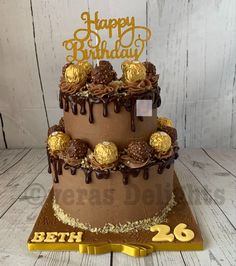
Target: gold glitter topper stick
{"type": "Point", "coordinates": [129, 43]}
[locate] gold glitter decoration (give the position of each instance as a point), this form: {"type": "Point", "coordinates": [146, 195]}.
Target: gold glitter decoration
{"type": "Point", "coordinates": [75, 74]}
{"type": "Point", "coordinates": [106, 153]}
{"type": "Point", "coordinates": [133, 71]}
{"type": "Point", "coordinates": [160, 141]}
{"type": "Point", "coordinates": [164, 121]}
{"type": "Point", "coordinates": [86, 66]}
{"type": "Point", "coordinates": [58, 141]}
{"type": "Point", "coordinates": [135, 226]}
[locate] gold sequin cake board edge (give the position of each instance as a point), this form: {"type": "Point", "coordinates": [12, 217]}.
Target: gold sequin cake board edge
{"type": "Point", "coordinates": [133, 244]}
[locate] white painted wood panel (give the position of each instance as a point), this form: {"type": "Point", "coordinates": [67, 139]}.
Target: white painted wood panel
{"type": "Point", "coordinates": [193, 46]}
{"type": "Point", "coordinates": [21, 102]}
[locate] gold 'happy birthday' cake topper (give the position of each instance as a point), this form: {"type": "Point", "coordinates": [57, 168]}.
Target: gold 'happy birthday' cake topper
{"type": "Point", "coordinates": [87, 43]}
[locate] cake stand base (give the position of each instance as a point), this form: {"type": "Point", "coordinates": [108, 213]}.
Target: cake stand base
{"type": "Point", "coordinates": [134, 244]}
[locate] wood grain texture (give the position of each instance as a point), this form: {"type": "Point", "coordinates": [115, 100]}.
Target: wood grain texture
{"type": "Point", "coordinates": [193, 46]}
{"type": "Point", "coordinates": [219, 183]}
{"type": "Point", "coordinates": [217, 230]}
{"type": "Point", "coordinates": [224, 157]}
{"type": "Point", "coordinates": [24, 184]}
{"type": "Point", "coordinates": [21, 102]}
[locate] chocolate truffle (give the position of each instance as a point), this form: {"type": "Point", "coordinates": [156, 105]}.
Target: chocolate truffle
{"type": "Point", "coordinates": [77, 149]}
{"type": "Point", "coordinates": [55, 128]}
{"type": "Point", "coordinates": [150, 69]}
{"type": "Point", "coordinates": [103, 73]}
{"type": "Point", "coordinates": [139, 151]}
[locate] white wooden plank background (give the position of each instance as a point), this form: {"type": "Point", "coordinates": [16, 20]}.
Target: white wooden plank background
{"type": "Point", "coordinates": [24, 184]}
{"type": "Point", "coordinates": [193, 46]}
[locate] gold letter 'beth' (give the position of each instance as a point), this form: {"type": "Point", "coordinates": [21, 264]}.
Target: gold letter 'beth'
{"type": "Point", "coordinates": [87, 43]}
{"type": "Point", "coordinates": [75, 237]}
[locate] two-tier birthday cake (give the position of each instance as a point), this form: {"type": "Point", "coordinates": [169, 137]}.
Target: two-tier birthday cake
{"type": "Point", "coordinates": [112, 157]}
{"type": "Point", "coordinates": [101, 152]}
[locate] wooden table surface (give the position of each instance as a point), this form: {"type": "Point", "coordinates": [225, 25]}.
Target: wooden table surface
{"type": "Point", "coordinates": [208, 177]}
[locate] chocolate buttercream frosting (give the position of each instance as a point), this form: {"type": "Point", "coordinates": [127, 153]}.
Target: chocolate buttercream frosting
{"type": "Point", "coordinates": [138, 87]}
{"type": "Point", "coordinates": [150, 69]}
{"type": "Point", "coordinates": [100, 90]}
{"type": "Point", "coordinates": [70, 88]}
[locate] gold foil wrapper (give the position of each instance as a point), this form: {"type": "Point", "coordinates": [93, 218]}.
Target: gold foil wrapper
{"type": "Point", "coordinates": [86, 66]}
{"type": "Point", "coordinates": [106, 153]}
{"type": "Point", "coordinates": [164, 121]}
{"type": "Point", "coordinates": [133, 71]}
{"type": "Point", "coordinates": [75, 74]}
{"type": "Point", "coordinates": [58, 141]}
{"type": "Point", "coordinates": [160, 141]}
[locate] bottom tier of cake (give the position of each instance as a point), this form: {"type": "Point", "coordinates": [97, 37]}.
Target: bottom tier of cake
{"type": "Point", "coordinates": [107, 204]}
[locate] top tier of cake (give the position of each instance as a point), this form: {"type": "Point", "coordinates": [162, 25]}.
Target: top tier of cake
{"type": "Point", "coordinates": [100, 107]}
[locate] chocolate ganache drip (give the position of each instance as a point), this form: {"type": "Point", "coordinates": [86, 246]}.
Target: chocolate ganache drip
{"type": "Point", "coordinates": [119, 101]}
{"type": "Point", "coordinates": [126, 172]}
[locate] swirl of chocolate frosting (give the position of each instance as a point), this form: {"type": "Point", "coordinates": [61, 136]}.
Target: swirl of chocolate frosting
{"type": "Point", "coordinates": [138, 87]}
{"type": "Point", "coordinates": [96, 165]}
{"type": "Point", "coordinates": [70, 88]}
{"type": "Point", "coordinates": [154, 80]}
{"type": "Point", "coordinates": [100, 90]}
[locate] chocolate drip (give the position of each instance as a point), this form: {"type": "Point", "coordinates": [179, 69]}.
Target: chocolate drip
{"type": "Point", "coordinates": [74, 106]}
{"type": "Point", "coordinates": [54, 164]}
{"type": "Point", "coordinates": [146, 173]}
{"type": "Point", "coordinates": [105, 107]}
{"type": "Point", "coordinates": [88, 175]}
{"type": "Point", "coordinates": [132, 114]}
{"type": "Point", "coordinates": [82, 106]}
{"type": "Point", "coordinates": [73, 169]}
{"type": "Point", "coordinates": [102, 174]}
{"type": "Point", "coordinates": [49, 162]}
{"type": "Point", "coordinates": [105, 174]}
{"type": "Point", "coordinates": [66, 106]}
{"type": "Point", "coordinates": [91, 120]}
{"type": "Point", "coordinates": [60, 100]}
{"type": "Point", "coordinates": [117, 106]}
{"type": "Point", "coordinates": [127, 101]}
{"type": "Point", "coordinates": [125, 178]}
{"type": "Point", "coordinates": [126, 172]}
{"type": "Point", "coordinates": [59, 166]}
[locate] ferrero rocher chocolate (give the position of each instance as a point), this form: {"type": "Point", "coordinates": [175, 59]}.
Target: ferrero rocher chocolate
{"type": "Point", "coordinates": [55, 128]}
{"type": "Point", "coordinates": [164, 121]}
{"type": "Point", "coordinates": [75, 74]}
{"type": "Point", "coordinates": [106, 153]}
{"type": "Point", "coordinates": [160, 141]}
{"type": "Point", "coordinates": [103, 73]}
{"type": "Point", "coordinates": [133, 71]}
{"type": "Point", "coordinates": [76, 149]}
{"type": "Point", "coordinates": [86, 66]}
{"type": "Point", "coordinates": [139, 150]}
{"type": "Point", "coordinates": [58, 142]}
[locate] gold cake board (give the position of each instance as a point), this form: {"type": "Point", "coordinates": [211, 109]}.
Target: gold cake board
{"type": "Point", "coordinates": [133, 244]}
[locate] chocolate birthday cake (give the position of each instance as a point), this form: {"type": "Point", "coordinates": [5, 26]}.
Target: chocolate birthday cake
{"type": "Point", "coordinates": [112, 164]}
